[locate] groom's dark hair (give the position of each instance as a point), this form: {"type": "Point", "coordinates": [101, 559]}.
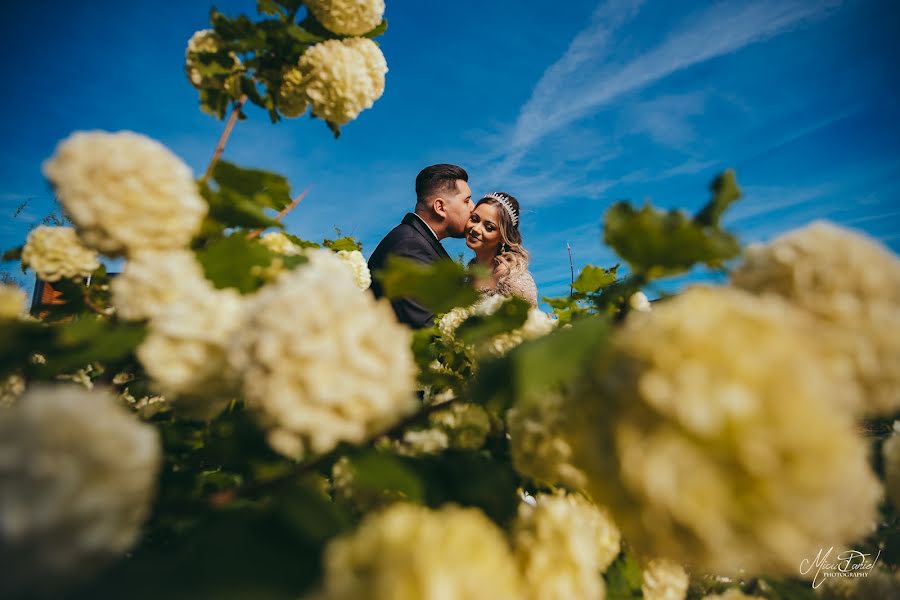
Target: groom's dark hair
{"type": "Point", "coordinates": [438, 179]}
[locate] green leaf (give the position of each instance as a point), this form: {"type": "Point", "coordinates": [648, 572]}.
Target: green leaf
{"type": "Point", "coordinates": [657, 243]}
{"type": "Point", "coordinates": [13, 254]}
{"type": "Point", "coordinates": [301, 242]}
{"type": "Point", "coordinates": [236, 211]}
{"type": "Point", "coordinates": [229, 262]}
{"type": "Point", "coordinates": [380, 29]}
{"type": "Point", "coordinates": [214, 102]}
{"type": "Point", "coordinates": [725, 191]}
{"type": "Point", "coordinates": [441, 286]}
{"type": "Point", "coordinates": [263, 188]}
{"type": "Point", "coordinates": [624, 579]}
{"type": "Point", "coordinates": [471, 479]}
{"type": "Point", "coordinates": [268, 7]}
{"type": "Point", "coordinates": [379, 473]}
{"type": "Point", "coordinates": [509, 316]}
{"type": "Point", "coordinates": [593, 278]}
{"type": "Point", "coordinates": [303, 36]}
{"type": "Point", "coordinates": [344, 243]}
{"type": "Point", "coordinates": [94, 339]}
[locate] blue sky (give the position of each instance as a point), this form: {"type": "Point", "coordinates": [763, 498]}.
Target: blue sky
{"type": "Point", "coordinates": [570, 109]}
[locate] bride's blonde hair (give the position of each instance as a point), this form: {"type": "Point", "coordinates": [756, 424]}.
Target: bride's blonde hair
{"type": "Point", "coordinates": [511, 255]}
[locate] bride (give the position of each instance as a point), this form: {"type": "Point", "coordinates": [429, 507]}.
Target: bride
{"type": "Point", "coordinates": [493, 233]}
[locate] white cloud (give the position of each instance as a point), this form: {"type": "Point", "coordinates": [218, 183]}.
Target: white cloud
{"type": "Point", "coordinates": [581, 82]}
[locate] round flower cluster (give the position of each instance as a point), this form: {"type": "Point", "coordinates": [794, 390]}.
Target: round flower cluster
{"type": "Point", "coordinates": [409, 552]}
{"type": "Point", "coordinates": [664, 579]}
{"type": "Point", "coordinates": [849, 282]}
{"type": "Point", "coordinates": [639, 302]}
{"type": "Point", "coordinates": [68, 507]}
{"type": "Point", "coordinates": [341, 78]}
{"type": "Point", "coordinates": [204, 43]}
{"type": "Point", "coordinates": [347, 17]}
{"type": "Point", "coordinates": [56, 253]}
{"type": "Point", "coordinates": [153, 280]}
{"type": "Point", "coordinates": [890, 451]}
{"type": "Point", "coordinates": [725, 414]}
{"type": "Point", "coordinates": [126, 192]}
{"type": "Point", "coordinates": [537, 324]}
{"type": "Point", "coordinates": [279, 243]}
{"type": "Point", "coordinates": [321, 362]}
{"type": "Point", "coordinates": [185, 351]}
{"type": "Point", "coordinates": [562, 544]}
{"type": "Point", "coordinates": [538, 446]}
{"type": "Point", "coordinates": [355, 260]}
{"type": "Point", "coordinates": [12, 301]}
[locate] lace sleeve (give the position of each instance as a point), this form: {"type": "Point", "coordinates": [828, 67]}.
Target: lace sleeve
{"type": "Point", "coordinates": [519, 284]}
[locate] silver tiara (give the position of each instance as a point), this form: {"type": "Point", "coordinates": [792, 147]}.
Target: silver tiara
{"type": "Point", "coordinates": [504, 200]}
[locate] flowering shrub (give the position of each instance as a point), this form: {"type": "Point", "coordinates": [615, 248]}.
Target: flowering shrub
{"type": "Point", "coordinates": [247, 421]}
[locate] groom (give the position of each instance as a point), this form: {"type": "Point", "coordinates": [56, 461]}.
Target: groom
{"type": "Point", "coordinates": [443, 206]}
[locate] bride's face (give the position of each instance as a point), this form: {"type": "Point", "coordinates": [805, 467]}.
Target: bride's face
{"type": "Point", "coordinates": [483, 229]}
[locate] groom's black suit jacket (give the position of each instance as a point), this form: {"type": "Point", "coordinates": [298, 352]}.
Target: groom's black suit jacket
{"type": "Point", "coordinates": [410, 239]}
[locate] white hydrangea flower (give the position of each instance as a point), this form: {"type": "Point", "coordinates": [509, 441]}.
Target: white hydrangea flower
{"type": "Point", "coordinates": [185, 350]}
{"type": "Point", "coordinates": [280, 244]}
{"type": "Point", "coordinates": [206, 41]}
{"type": "Point", "coordinates": [409, 552]}
{"type": "Point", "coordinates": [152, 280]}
{"type": "Point", "coordinates": [292, 101]}
{"type": "Point", "coordinates": [321, 362]}
{"type": "Point", "coordinates": [347, 17]}
{"type": "Point", "coordinates": [538, 446]}
{"type": "Point", "coordinates": [357, 263]}
{"type": "Point", "coordinates": [731, 594]}
{"type": "Point", "coordinates": [11, 387]}
{"type": "Point", "coordinates": [417, 442]}
{"type": "Point", "coordinates": [725, 413]}
{"type": "Point", "coordinates": [849, 282]}
{"type": "Point", "coordinates": [639, 302]}
{"type": "Point", "coordinates": [77, 477]}
{"type": "Point", "coordinates": [126, 192]}
{"type": "Point", "coordinates": [891, 453]}
{"type": "Point", "coordinates": [341, 78]}
{"type": "Point", "coordinates": [537, 324]}
{"type": "Point", "coordinates": [56, 253]}
{"type": "Point", "coordinates": [12, 301]}
{"type": "Point", "coordinates": [562, 544]}
{"type": "Point", "coordinates": [664, 579]}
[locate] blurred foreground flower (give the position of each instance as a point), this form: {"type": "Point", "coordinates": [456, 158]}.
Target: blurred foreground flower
{"type": "Point", "coordinates": [77, 476]}
{"type": "Point", "coordinates": [730, 448]}
{"type": "Point", "coordinates": [12, 301]}
{"type": "Point", "coordinates": [125, 192]}
{"type": "Point", "coordinates": [321, 362]}
{"type": "Point", "coordinates": [664, 579]}
{"type": "Point", "coordinates": [151, 281]}
{"type": "Point", "coordinates": [536, 325]}
{"type": "Point", "coordinates": [56, 253]}
{"type": "Point", "coordinates": [409, 552]}
{"type": "Point", "coordinates": [849, 282]}
{"type": "Point", "coordinates": [563, 543]}
{"type": "Point", "coordinates": [347, 17]}
{"type": "Point", "coordinates": [185, 351]}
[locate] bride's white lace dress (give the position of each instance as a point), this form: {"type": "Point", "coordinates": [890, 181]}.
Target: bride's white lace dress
{"type": "Point", "coordinates": [518, 283]}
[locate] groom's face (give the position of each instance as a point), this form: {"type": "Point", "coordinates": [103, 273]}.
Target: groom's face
{"type": "Point", "coordinates": [458, 207]}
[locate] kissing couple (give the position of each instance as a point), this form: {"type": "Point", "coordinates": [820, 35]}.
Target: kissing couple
{"type": "Point", "coordinates": [444, 208]}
